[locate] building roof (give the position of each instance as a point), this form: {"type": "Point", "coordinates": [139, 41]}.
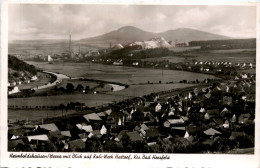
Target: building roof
{"type": "Point", "coordinates": [38, 137]}
{"type": "Point", "coordinates": [178, 128]}
{"type": "Point", "coordinates": [56, 134]}
{"type": "Point", "coordinates": [121, 133]}
{"type": "Point", "coordinates": [176, 121]}
{"type": "Point", "coordinates": [96, 132]}
{"type": "Point", "coordinates": [101, 114]}
{"type": "Point", "coordinates": [66, 133]}
{"type": "Point", "coordinates": [78, 143]}
{"type": "Point", "coordinates": [192, 129]}
{"type": "Point", "coordinates": [211, 132]}
{"type": "Point", "coordinates": [16, 132]}
{"type": "Point", "coordinates": [213, 112]}
{"type": "Point", "coordinates": [152, 133]}
{"type": "Point", "coordinates": [92, 116]}
{"type": "Point", "coordinates": [83, 136]}
{"type": "Point", "coordinates": [134, 136]}
{"type": "Point", "coordinates": [13, 143]}
{"type": "Point", "coordinates": [218, 121]}
{"type": "Point", "coordinates": [109, 111]}
{"type": "Point", "coordinates": [144, 127]}
{"type": "Point", "coordinates": [49, 127]}
{"type": "Point", "coordinates": [235, 135]}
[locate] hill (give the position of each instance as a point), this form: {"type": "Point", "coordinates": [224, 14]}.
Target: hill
{"type": "Point", "coordinates": [130, 34]}
{"type": "Point", "coordinates": [19, 70]}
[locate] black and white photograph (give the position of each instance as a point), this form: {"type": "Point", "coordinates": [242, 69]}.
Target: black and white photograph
{"type": "Point", "coordinates": [131, 78]}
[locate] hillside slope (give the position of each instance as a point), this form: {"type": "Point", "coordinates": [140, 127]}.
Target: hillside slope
{"type": "Point", "coordinates": [19, 70]}
{"type": "Point", "coordinates": [130, 34]}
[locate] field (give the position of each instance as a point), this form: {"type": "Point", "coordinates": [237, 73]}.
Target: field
{"type": "Point", "coordinates": [234, 56]}
{"type": "Point", "coordinates": [173, 59]}
{"type": "Point", "coordinates": [121, 74]}
{"type": "Point", "coordinates": [90, 100]}
{"type": "Point", "coordinates": [44, 47]}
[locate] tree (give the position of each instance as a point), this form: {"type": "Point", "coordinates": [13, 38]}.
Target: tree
{"type": "Point", "coordinates": [79, 88]}
{"type": "Point", "coordinates": [62, 106]}
{"type": "Point", "coordinates": [70, 87]}
{"type": "Point", "coordinates": [101, 84]}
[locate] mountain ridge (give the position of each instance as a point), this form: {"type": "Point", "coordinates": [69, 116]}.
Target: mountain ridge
{"type": "Point", "coordinates": [131, 33]}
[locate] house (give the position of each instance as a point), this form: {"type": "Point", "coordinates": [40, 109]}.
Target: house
{"type": "Point", "coordinates": [134, 136]}
{"type": "Point", "coordinates": [152, 133]}
{"type": "Point", "coordinates": [202, 110]}
{"type": "Point", "coordinates": [218, 121]}
{"type": "Point", "coordinates": [158, 107]}
{"type": "Point", "coordinates": [211, 113]}
{"type": "Point", "coordinates": [101, 114]}
{"type": "Point", "coordinates": [84, 126]}
{"type": "Point", "coordinates": [234, 118]}
{"type": "Point", "coordinates": [103, 130]}
{"type": "Point", "coordinates": [226, 113]}
{"type": "Point", "coordinates": [55, 134]}
{"type": "Point", "coordinates": [108, 112]}
{"type": "Point", "coordinates": [92, 117]}
{"type": "Point", "coordinates": [227, 100]}
{"type": "Point", "coordinates": [243, 118]}
{"type": "Point", "coordinates": [235, 135]}
{"type": "Point", "coordinates": [15, 133]}
{"type": "Point", "coordinates": [34, 78]}
{"type": "Point", "coordinates": [211, 132]}
{"type": "Point", "coordinates": [49, 127]}
{"type": "Point", "coordinates": [94, 134]}
{"type": "Point", "coordinates": [226, 124]}
{"type": "Point", "coordinates": [173, 122]}
{"type": "Point", "coordinates": [121, 134]}
{"type": "Point", "coordinates": [38, 138]}
{"type": "Point", "coordinates": [65, 133]}
{"type": "Point", "coordinates": [13, 144]}
{"type": "Point", "coordinates": [13, 89]}
{"type": "Point", "coordinates": [77, 144]}
{"type": "Point", "coordinates": [83, 136]}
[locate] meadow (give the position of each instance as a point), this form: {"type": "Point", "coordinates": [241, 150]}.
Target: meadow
{"type": "Point", "coordinates": [234, 56]}
{"type": "Point", "coordinates": [90, 100]}
{"type": "Point", "coordinates": [120, 74]}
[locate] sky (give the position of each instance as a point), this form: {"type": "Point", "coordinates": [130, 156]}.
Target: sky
{"type": "Point", "coordinates": [57, 21]}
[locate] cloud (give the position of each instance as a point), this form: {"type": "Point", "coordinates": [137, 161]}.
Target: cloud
{"type": "Point", "coordinates": [35, 21]}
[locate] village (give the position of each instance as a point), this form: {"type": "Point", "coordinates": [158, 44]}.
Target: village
{"type": "Point", "coordinates": [216, 118]}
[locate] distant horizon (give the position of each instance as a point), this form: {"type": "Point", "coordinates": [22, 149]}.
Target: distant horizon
{"type": "Point", "coordinates": [56, 21]}
{"type": "Point", "coordinates": [64, 39]}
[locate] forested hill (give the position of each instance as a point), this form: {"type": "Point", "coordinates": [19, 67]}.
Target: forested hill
{"type": "Point", "coordinates": [20, 66]}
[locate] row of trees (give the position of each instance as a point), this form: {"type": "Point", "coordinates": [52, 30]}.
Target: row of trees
{"type": "Point", "coordinates": [70, 88]}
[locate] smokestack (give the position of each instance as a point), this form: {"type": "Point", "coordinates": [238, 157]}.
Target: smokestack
{"type": "Point", "coordinates": [70, 46]}
{"type": "Point", "coordinates": [79, 48]}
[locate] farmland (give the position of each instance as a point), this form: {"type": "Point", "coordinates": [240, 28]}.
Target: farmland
{"type": "Point", "coordinates": [121, 74]}
{"type": "Point", "coordinates": [43, 47]}
{"type": "Point", "coordinates": [137, 78]}
{"type": "Point", "coordinates": [232, 55]}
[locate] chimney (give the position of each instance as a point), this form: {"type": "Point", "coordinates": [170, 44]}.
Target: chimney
{"type": "Point", "coordinates": [70, 46]}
